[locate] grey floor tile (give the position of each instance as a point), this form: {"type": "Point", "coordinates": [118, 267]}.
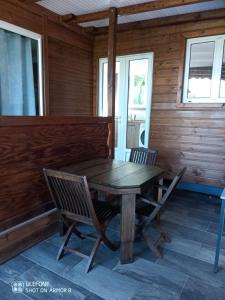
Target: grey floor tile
{"type": "Point", "coordinates": [161, 280]}
{"type": "Point", "coordinates": [195, 223]}
{"type": "Point", "coordinates": [104, 282]}
{"type": "Point", "coordinates": [213, 227]}
{"type": "Point", "coordinates": [193, 267]}
{"type": "Point", "coordinates": [44, 254]}
{"type": "Point", "coordinates": [207, 253]}
{"type": "Point", "coordinates": [198, 290]}
{"type": "Point", "coordinates": [58, 287]}
{"type": "Point", "coordinates": [153, 292]}
{"type": "Point", "coordinates": [183, 246]}
{"type": "Point", "coordinates": [187, 265]}
{"type": "Point", "coordinates": [192, 234]}
{"type": "Point", "coordinates": [105, 256]}
{"type": "Point", "coordinates": [210, 215]}
{"type": "Point", "coordinates": [142, 250]}
{"type": "Point", "coordinates": [8, 294]}
{"type": "Point", "coordinates": [10, 270]}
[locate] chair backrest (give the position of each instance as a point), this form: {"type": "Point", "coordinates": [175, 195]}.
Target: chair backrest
{"type": "Point", "coordinates": [173, 185]}
{"type": "Point", "coordinates": [143, 156]}
{"type": "Point", "coordinates": [71, 195]}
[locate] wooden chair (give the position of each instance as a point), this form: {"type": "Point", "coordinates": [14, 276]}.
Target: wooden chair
{"type": "Point", "coordinates": [143, 156]}
{"type": "Point", "coordinates": [147, 210]}
{"type": "Point", "coordinates": [72, 197]}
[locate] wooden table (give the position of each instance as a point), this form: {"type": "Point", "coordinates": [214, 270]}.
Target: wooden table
{"type": "Point", "coordinates": [120, 178]}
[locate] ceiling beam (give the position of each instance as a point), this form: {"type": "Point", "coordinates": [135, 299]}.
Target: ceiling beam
{"type": "Point", "coordinates": [155, 5]}
{"type": "Point", "coordinates": [100, 15]}
{"type": "Point", "coordinates": [131, 9]}
{"type": "Point", "coordinates": [162, 21]}
{"type": "Point", "coordinates": [29, 1]}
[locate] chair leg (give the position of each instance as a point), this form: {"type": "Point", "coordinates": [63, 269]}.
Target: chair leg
{"type": "Point", "coordinates": [93, 254]}
{"type": "Point", "coordinates": [78, 233]}
{"type": "Point", "coordinates": [108, 243]}
{"type": "Point", "coordinates": [67, 238]}
{"type": "Point", "coordinates": [166, 237]}
{"type": "Point", "coordinates": [151, 245]}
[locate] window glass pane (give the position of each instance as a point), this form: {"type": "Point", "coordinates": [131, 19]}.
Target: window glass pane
{"type": "Point", "coordinates": [138, 73]}
{"type": "Point", "coordinates": [200, 71]}
{"type": "Point", "coordinates": [19, 86]}
{"type": "Point", "coordinates": [222, 82]}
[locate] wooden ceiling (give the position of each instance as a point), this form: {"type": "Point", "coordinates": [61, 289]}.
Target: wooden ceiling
{"type": "Point", "coordinates": [95, 13]}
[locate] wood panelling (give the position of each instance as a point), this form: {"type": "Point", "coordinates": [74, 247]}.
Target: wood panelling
{"type": "Point", "coordinates": [70, 79]}
{"type": "Point", "coordinates": [67, 57]}
{"type": "Point", "coordinates": [28, 144]}
{"type": "Point", "coordinates": [184, 135]}
{"type": "Point", "coordinates": [21, 237]}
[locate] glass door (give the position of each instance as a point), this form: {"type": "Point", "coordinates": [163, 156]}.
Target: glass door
{"type": "Point", "coordinates": [133, 101]}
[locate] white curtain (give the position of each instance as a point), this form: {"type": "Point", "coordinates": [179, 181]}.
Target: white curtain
{"type": "Point", "coordinates": [17, 91]}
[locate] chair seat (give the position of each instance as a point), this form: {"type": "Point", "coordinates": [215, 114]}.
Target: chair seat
{"type": "Point", "coordinates": [143, 208]}
{"type": "Point", "coordinates": [104, 212]}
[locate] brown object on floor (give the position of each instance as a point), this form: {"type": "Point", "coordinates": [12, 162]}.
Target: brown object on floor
{"type": "Point", "coordinates": [148, 210]}
{"type": "Point", "coordinates": [72, 197]}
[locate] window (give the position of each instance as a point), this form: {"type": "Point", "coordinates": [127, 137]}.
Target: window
{"type": "Point", "coordinates": [204, 76]}
{"type": "Point", "coordinates": [20, 72]}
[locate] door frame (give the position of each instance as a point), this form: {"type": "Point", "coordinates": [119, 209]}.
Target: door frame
{"type": "Point", "coordinates": [123, 93]}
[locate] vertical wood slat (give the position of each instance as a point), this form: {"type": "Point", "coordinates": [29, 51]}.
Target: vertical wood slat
{"type": "Point", "coordinates": [112, 71]}
{"type": "Point", "coordinates": [143, 156]}
{"type": "Point", "coordinates": [69, 194]}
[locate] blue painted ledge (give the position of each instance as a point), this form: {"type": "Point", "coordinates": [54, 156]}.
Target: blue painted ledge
{"type": "Point", "coordinates": [200, 188]}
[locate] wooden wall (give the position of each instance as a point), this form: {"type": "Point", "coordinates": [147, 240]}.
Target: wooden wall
{"type": "Point", "coordinates": [67, 57]}
{"type": "Point", "coordinates": [184, 135]}
{"type": "Point", "coordinates": [28, 144]}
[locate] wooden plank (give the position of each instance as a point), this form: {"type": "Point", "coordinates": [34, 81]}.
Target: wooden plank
{"type": "Point", "coordinates": [112, 72]}
{"type": "Point", "coordinates": [189, 134]}
{"type": "Point", "coordinates": [155, 5]}
{"type": "Point", "coordinates": [46, 66]}
{"type": "Point", "coordinates": [20, 238]}
{"type": "Point", "coordinates": [133, 9]}
{"type": "Point", "coordinates": [42, 121]}
{"type": "Point", "coordinates": [165, 21]}
{"type": "Point", "coordinates": [29, 1]}
{"type": "Point", "coordinates": [28, 144]}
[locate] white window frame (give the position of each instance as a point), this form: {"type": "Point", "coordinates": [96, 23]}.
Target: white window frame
{"type": "Point", "coordinates": [123, 92]}
{"type": "Point", "coordinates": [219, 41]}
{"type": "Point", "coordinates": [38, 38]}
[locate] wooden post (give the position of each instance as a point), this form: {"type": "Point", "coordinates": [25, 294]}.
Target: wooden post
{"type": "Point", "coordinates": [45, 67]}
{"type": "Point", "coordinates": [112, 72]}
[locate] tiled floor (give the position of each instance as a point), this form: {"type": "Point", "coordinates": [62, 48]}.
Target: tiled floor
{"type": "Point", "coordinates": [185, 272]}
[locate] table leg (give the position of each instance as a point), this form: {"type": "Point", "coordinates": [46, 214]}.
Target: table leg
{"type": "Point", "coordinates": [127, 229]}
{"type": "Point", "coordinates": [219, 237]}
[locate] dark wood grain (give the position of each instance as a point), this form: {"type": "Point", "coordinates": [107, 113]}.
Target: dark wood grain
{"type": "Point", "coordinates": [19, 238]}
{"type": "Point", "coordinates": [29, 144]}
{"type": "Point", "coordinates": [127, 231]}
{"type": "Point", "coordinates": [184, 135]}
{"type": "Point", "coordinates": [73, 200]}
{"type": "Point", "coordinates": [116, 174]}
{"type": "Point", "coordinates": [122, 178]}
{"type": "Point", "coordinates": [67, 58]}
{"type": "Point", "coordinates": [112, 73]}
